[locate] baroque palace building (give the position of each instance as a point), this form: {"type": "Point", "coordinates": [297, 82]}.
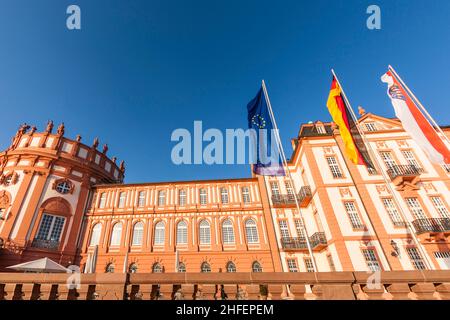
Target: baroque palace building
{"type": "Point", "coordinates": [65, 200]}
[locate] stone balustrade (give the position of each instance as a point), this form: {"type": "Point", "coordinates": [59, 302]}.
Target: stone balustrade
{"type": "Point", "coordinates": [392, 285]}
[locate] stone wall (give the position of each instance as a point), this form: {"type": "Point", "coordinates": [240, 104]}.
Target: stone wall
{"type": "Point", "coordinates": [392, 285]}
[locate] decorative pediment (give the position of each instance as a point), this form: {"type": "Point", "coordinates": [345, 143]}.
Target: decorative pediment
{"type": "Point", "coordinates": [372, 123]}
{"type": "Point", "coordinates": [57, 205]}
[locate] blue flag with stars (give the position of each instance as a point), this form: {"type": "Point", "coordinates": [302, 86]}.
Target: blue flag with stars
{"type": "Point", "coordinates": [268, 158]}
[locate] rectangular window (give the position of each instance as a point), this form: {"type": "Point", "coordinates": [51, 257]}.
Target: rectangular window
{"type": "Point", "coordinates": [371, 127]}
{"type": "Point", "coordinates": [102, 202]}
{"type": "Point", "coordinates": [161, 198]}
{"type": "Point", "coordinates": [284, 230]}
{"type": "Point", "coordinates": [440, 207]}
{"type": "Point", "coordinates": [309, 265]}
{"type": "Point", "coordinates": [334, 167]}
{"type": "Point", "coordinates": [51, 228]}
{"type": "Point", "coordinates": [224, 195]}
{"type": "Point", "coordinates": [371, 260]}
{"type": "Point", "coordinates": [320, 129]}
{"type": "Point", "coordinates": [275, 189]}
{"type": "Point", "coordinates": [2, 213]}
{"type": "Point", "coordinates": [392, 211]}
{"type": "Point", "coordinates": [416, 259]}
{"type": "Point", "coordinates": [415, 208]}
{"type": "Point", "coordinates": [122, 197]}
{"type": "Point", "coordinates": [289, 190]}
{"type": "Point", "coordinates": [203, 197]}
{"type": "Point", "coordinates": [299, 228]}
{"type": "Point", "coordinates": [446, 167]}
{"type": "Point", "coordinates": [388, 160]}
{"type": "Point", "coordinates": [182, 197]}
{"type": "Point", "coordinates": [141, 199]}
{"type": "Point", "coordinates": [245, 195]}
{"type": "Point", "coordinates": [292, 265]}
{"type": "Point", "coordinates": [353, 215]}
{"type": "Point", "coordinates": [410, 158]}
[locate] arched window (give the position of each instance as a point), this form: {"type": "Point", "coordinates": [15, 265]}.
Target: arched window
{"type": "Point", "coordinates": [182, 232]}
{"type": "Point", "coordinates": [109, 268]}
{"type": "Point", "coordinates": [116, 234]}
{"type": "Point", "coordinates": [205, 232]}
{"type": "Point", "coordinates": [231, 267]}
{"type": "Point", "coordinates": [256, 267]}
{"type": "Point", "coordinates": [138, 234]}
{"type": "Point", "coordinates": [95, 235]}
{"type": "Point", "coordinates": [157, 268]}
{"type": "Point", "coordinates": [133, 268]}
{"type": "Point", "coordinates": [181, 267]}
{"type": "Point", "coordinates": [227, 232]}
{"type": "Point", "coordinates": [251, 231]}
{"type": "Point", "coordinates": [159, 233]}
{"type": "Point", "coordinates": [205, 267]}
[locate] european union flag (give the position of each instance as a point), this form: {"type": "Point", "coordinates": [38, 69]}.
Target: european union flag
{"type": "Point", "coordinates": [260, 122]}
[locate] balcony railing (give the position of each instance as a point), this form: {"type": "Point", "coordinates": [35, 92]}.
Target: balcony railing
{"type": "Point", "coordinates": [303, 197]}
{"type": "Point", "coordinates": [435, 225]}
{"type": "Point", "coordinates": [318, 239]}
{"type": "Point", "coordinates": [404, 171]}
{"type": "Point", "coordinates": [45, 244]}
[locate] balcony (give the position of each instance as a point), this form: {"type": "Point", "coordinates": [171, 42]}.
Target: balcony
{"type": "Point", "coordinates": [45, 244]}
{"type": "Point", "coordinates": [432, 226]}
{"type": "Point", "coordinates": [318, 241]}
{"type": "Point", "coordinates": [288, 200]}
{"type": "Point", "coordinates": [404, 174]}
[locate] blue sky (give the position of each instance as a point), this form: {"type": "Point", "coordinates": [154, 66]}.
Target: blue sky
{"type": "Point", "coordinates": [140, 69]}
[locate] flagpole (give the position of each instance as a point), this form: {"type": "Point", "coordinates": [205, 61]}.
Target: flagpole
{"type": "Point", "coordinates": [383, 173]}
{"type": "Point", "coordinates": [430, 118]}
{"type": "Point", "coordinates": [283, 157]}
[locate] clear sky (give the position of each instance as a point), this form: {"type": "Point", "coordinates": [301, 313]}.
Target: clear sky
{"type": "Point", "coordinates": [137, 70]}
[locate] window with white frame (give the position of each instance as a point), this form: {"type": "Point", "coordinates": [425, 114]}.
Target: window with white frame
{"type": "Point", "coordinates": [371, 259]}
{"type": "Point", "coordinates": [440, 207]}
{"type": "Point", "coordinates": [182, 232]}
{"type": "Point", "coordinates": [256, 267]}
{"type": "Point", "coordinates": [109, 268]}
{"type": "Point", "coordinates": [227, 232]}
{"type": "Point", "coordinates": [95, 235]}
{"type": "Point", "coordinates": [138, 233]}
{"type": "Point", "coordinates": [133, 268]}
{"type": "Point", "coordinates": [182, 197]}
{"type": "Point", "coordinates": [160, 231]}
{"type": "Point", "coordinates": [309, 265]}
{"type": "Point", "coordinates": [292, 265]}
{"type": "Point", "coordinates": [224, 195]}
{"type": "Point", "coordinates": [245, 195]}
{"type": "Point", "coordinates": [157, 268]}
{"type": "Point", "coordinates": [289, 190]}
{"type": "Point", "coordinates": [205, 232]}
{"type": "Point", "coordinates": [181, 267]}
{"type": "Point", "coordinates": [284, 230]}
{"type": "Point", "coordinates": [50, 228]}
{"type": "Point", "coordinates": [410, 158]}
{"type": "Point", "coordinates": [371, 126]}
{"type": "Point", "coordinates": [141, 199]}
{"type": "Point", "coordinates": [274, 188]}
{"type": "Point", "coordinates": [415, 208]}
{"type": "Point", "coordinates": [353, 215]}
{"type": "Point", "coordinates": [161, 198]}
{"type": "Point", "coordinates": [392, 211]}
{"type": "Point", "coordinates": [388, 160]}
{"type": "Point", "coordinates": [251, 231]}
{"type": "Point", "coordinates": [231, 267]}
{"type": "Point", "coordinates": [122, 197]}
{"type": "Point", "coordinates": [116, 234]}
{"type": "Point", "coordinates": [203, 197]}
{"type": "Point", "coordinates": [64, 187]}
{"type": "Point", "coordinates": [299, 228]}
{"type": "Point", "coordinates": [334, 167]}
{"type": "Point", "coordinates": [205, 267]}
{"type": "Point", "coordinates": [102, 201]}
{"type": "Point", "coordinates": [415, 258]}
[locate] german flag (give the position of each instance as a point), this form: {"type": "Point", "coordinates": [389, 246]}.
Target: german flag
{"type": "Point", "coordinates": [354, 145]}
